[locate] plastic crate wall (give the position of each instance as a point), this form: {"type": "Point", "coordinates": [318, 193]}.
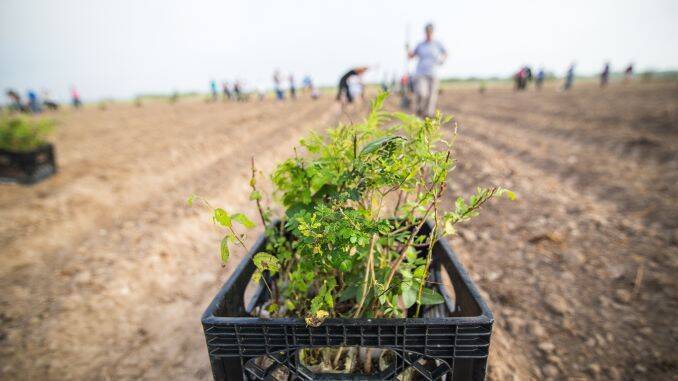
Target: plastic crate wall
{"type": "Point", "coordinates": [27, 167]}
{"type": "Point", "coordinates": [454, 337]}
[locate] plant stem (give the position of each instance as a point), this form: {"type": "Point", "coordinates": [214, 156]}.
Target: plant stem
{"type": "Point", "coordinates": [254, 188]}
{"type": "Point", "coordinates": [239, 240]}
{"type": "Point", "coordinates": [337, 357]}
{"type": "Point", "coordinates": [397, 205]}
{"type": "Point", "coordinates": [367, 276]}
{"type": "Point", "coordinates": [403, 251]}
{"type": "Point", "coordinates": [368, 361]}
{"type": "Point", "coordinates": [267, 286]}
{"type": "Point", "coordinates": [429, 254]}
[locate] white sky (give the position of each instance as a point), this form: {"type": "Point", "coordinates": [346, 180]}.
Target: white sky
{"type": "Point", "coordinates": [123, 47]}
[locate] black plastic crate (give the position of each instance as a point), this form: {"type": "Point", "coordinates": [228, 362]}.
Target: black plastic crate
{"type": "Point", "coordinates": [27, 167]}
{"type": "Point", "coordinates": [450, 342]}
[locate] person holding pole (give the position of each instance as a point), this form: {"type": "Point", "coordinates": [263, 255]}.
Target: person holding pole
{"type": "Point", "coordinates": [430, 54]}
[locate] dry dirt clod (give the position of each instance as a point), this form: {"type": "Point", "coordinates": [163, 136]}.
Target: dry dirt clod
{"type": "Point", "coordinates": [641, 368]}
{"type": "Point", "coordinates": [593, 369]}
{"type": "Point", "coordinates": [83, 277]}
{"type": "Point", "coordinates": [468, 235]}
{"type": "Point", "coordinates": [623, 296]}
{"type": "Point", "coordinates": [514, 324]}
{"type": "Point", "coordinates": [550, 371]}
{"type": "Point", "coordinates": [558, 304]}
{"type": "Point", "coordinates": [614, 373]}
{"type": "Point", "coordinates": [555, 360]}
{"type": "Point", "coordinates": [546, 347]}
{"type": "Point", "coordinates": [536, 330]}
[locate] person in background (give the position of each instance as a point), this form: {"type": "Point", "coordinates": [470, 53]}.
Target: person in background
{"type": "Point", "coordinates": [405, 91]}
{"type": "Point", "coordinates": [523, 77]}
{"type": "Point", "coordinates": [628, 73]}
{"type": "Point", "coordinates": [356, 87]}
{"type": "Point", "coordinates": [15, 101]}
{"type": "Point", "coordinates": [213, 89]}
{"type": "Point", "coordinates": [306, 83]}
{"type": "Point", "coordinates": [237, 92]}
{"type": "Point", "coordinates": [47, 101]}
{"type": "Point", "coordinates": [569, 77]}
{"type": "Point", "coordinates": [310, 87]}
{"type": "Point", "coordinates": [431, 54]}
{"type": "Point", "coordinates": [519, 79]}
{"type": "Point", "coordinates": [277, 85]}
{"type": "Point", "coordinates": [293, 87]}
{"type": "Point", "coordinates": [539, 78]}
{"type": "Point", "coordinates": [33, 102]}
{"type": "Point", "coordinates": [227, 91]}
{"type": "Point", "coordinates": [75, 97]}
{"type": "Point", "coordinates": [605, 75]}
{"type": "Point", "coordinates": [344, 93]}
{"type": "Point", "coordinates": [528, 75]}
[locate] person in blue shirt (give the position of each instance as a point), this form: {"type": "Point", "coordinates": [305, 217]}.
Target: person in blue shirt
{"type": "Point", "coordinates": [33, 102]}
{"type": "Point", "coordinates": [539, 79]}
{"type": "Point", "coordinates": [213, 88]}
{"type": "Point", "coordinates": [277, 86]}
{"type": "Point", "coordinates": [430, 54]}
{"type": "Point", "coordinates": [293, 87]}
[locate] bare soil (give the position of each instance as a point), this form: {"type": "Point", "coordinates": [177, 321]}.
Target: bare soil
{"type": "Point", "coordinates": [104, 269]}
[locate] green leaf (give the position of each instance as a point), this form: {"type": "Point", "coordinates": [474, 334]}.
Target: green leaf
{"type": "Point", "coordinates": [222, 217]}
{"type": "Point", "coordinates": [449, 228]}
{"type": "Point", "coordinates": [289, 305]}
{"type": "Point", "coordinates": [507, 192]}
{"type": "Point", "coordinates": [410, 295]}
{"type": "Point", "coordinates": [272, 308]}
{"type": "Point", "coordinates": [225, 252]}
{"type": "Point", "coordinates": [377, 144]}
{"type": "Point", "coordinates": [190, 199]}
{"type": "Point", "coordinates": [407, 274]}
{"type": "Point", "coordinates": [350, 292]}
{"type": "Point", "coordinates": [255, 195]}
{"type": "Point", "coordinates": [429, 296]}
{"type": "Point", "coordinates": [243, 220]}
{"type": "Point", "coordinates": [256, 276]}
{"type": "Point", "coordinates": [265, 261]}
{"type": "Point", "coordinates": [328, 300]}
{"type": "Point", "coordinates": [317, 319]}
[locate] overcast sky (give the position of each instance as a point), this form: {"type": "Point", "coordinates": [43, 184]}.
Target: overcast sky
{"type": "Point", "coordinates": [120, 48]}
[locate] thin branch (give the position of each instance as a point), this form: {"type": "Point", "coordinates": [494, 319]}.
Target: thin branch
{"type": "Point", "coordinates": [429, 254]}
{"type": "Point", "coordinates": [254, 188]}
{"type": "Point", "coordinates": [403, 251]}
{"type": "Point", "coordinates": [367, 276]}
{"type": "Point", "coordinates": [238, 238]}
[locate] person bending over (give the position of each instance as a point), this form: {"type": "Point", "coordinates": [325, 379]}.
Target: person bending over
{"type": "Point", "coordinates": [344, 93]}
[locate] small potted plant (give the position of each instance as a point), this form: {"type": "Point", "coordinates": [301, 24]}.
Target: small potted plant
{"type": "Point", "coordinates": [25, 155]}
{"type": "Point", "coordinates": [351, 278]}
